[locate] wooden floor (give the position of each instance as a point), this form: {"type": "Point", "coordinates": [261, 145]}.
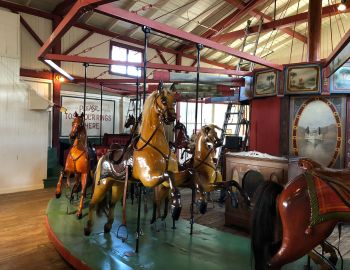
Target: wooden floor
{"type": "Point", "coordinates": [24, 243]}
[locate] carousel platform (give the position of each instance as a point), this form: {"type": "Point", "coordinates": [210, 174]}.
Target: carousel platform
{"type": "Point", "coordinates": [164, 249]}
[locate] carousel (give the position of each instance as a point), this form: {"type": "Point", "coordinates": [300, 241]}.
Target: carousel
{"type": "Point", "coordinates": [278, 164]}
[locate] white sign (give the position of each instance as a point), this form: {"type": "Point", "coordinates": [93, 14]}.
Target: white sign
{"type": "Point", "coordinates": [92, 115]}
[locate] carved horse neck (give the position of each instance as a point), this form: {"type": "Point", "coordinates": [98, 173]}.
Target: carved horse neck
{"type": "Point", "coordinates": [80, 141]}
{"type": "Point", "coordinates": [151, 123]}
{"type": "Point", "coordinates": [202, 150]}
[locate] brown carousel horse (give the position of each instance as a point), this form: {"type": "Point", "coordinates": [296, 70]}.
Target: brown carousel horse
{"type": "Point", "coordinates": [77, 161]}
{"type": "Point", "coordinates": [205, 176]}
{"type": "Point", "coordinates": [288, 222]}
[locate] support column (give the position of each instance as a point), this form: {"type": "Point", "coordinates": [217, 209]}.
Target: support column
{"type": "Point", "coordinates": [314, 31]}
{"type": "Point", "coordinates": [56, 98]}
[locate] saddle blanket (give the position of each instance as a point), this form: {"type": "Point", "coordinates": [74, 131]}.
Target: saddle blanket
{"type": "Point", "coordinates": [326, 199]}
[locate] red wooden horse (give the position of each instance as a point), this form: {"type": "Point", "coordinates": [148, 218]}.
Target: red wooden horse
{"type": "Point", "coordinates": [77, 161]}
{"type": "Point", "coordinates": [289, 222]}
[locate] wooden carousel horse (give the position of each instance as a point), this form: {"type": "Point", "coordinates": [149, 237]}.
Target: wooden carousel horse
{"type": "Point", "coordinates": [149, 160]}
{"type": "Point", "coordinates": [289, 222]}
{"type": "Point", "coordinates": [77, 162]}
{"type": "Point", "coordinates": [111, 175]}
{"type": "Point", "coordinates": [205, 176]}
{"type": "Point", "coordinates": [153, 161]}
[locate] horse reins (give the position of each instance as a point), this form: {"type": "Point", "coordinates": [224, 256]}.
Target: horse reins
{"type": "Point", "coordinates": [148, 142]}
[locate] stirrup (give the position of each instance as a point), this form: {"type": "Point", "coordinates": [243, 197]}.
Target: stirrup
{"type": "Point", "coordinates": [121, 237]}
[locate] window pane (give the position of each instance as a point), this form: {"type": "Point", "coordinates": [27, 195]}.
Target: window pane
{"type": "Point", "coordinates": [118, 69]}
{"type": "Point", "coordinates": [134, 56]}
{"type": "Point", "coordinates": [119, 53]}
{"type": "Point", "coordinates": [132, 71]}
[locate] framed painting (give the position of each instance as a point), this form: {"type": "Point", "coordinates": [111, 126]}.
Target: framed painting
{"type": "Point", "coordinates": [318, 129]}
{"type": "Point", "coordinates": [303, 79]}
{"type": "Point", "coordinates": [265, 83]}
{"type": "Point", "coordinates": [340, 80]}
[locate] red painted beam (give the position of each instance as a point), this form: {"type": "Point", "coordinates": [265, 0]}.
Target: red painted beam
{"type": "Point", "coordinates": [39, 13]}
{"type": "Point", "coordinates": [127, 16]}
{"type": "Point", "coordinates": [80, 41]}
{"type": "Point", "coordinates": [47, 75]}
{"type": "Point", "coordinates": [281, 23]}
{"type": "Point", "coordinates": [62, 8]}
{"type": "Point", "coordinates": [161, 57]}
{"type": "Point", "coordinates": [153, 46]}
{"type": "Point", "coordinates": [31, 31]}
{"type": "Point", "coordinates": [67, 22]}
{"type": "Point", "coordinates": [314, 30]}
{"type": "Point", "coordinates": [112, 81]}
{"type": "Point", "coordinates": [105, 61]}
{"type": "Point", "coordinates": [343, 42]}
{"type": "Point", "coordinates": [240, 5]}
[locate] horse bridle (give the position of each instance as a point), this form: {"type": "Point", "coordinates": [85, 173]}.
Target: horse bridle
{"type": "Point", "coordinates": [148, 142]}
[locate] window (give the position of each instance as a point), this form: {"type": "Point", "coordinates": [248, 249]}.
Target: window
{"type": "Point", "coordinates": [123, 52]}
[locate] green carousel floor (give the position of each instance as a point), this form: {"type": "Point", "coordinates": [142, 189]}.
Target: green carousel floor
{"type": "Point", "coordinates": [166, 249]}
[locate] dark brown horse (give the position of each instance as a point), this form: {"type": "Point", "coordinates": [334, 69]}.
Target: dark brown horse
{"type": "Point", "coordinates": [288, 222]}
{"type": "Point", "coordinates": [77, 162]}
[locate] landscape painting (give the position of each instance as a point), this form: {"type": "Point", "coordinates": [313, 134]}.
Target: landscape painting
{"type": "Point", "coordinates": [303, 79]}
{"type": "Point", "coordinates": [265, 83]}
{"type": "Point", "coordinates": [316, 131]}
{"type": "Point", "coordinates": [340, 80]}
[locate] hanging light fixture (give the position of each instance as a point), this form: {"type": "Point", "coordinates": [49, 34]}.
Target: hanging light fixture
{"type": "Point", "coordinates": [58, 69]}
{"type": "Point", "coordinates": [342, 5]}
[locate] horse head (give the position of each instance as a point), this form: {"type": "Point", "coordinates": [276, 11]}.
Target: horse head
{"type": "Point", "coordinates": [181, 138]}
{"type": "Point", "coordinates": [130, 121]}
{"type": "Point", "coordinates": [165, 103]}
{"type": "Point", "coordinates": [77, 125]}
{"type": "Point", "coordinates": [211, 136]}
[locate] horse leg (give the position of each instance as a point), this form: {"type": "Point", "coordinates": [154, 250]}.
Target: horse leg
{"type": "Point", "coordinates": [59, 185]}
{"type": "Point", "coordinates": [100, 191]}
{"type": "Point", "coordinates": [75, 188]}
{"type": "Point", "coordinates": [116, 195]}
{"type": "Point", "coordinates": [83, 194]}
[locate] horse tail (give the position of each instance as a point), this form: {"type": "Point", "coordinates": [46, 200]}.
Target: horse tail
{"type": "Point", "coordinates": [263, 223]}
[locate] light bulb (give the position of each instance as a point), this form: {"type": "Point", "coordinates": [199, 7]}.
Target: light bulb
{"type": "Point", "coordinates": [341, 7]}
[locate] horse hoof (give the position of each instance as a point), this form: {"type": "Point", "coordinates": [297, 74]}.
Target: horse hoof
{"type": "Point", "coordinates": [58, 195]}
{"type": "Point", "coordinates": [175, 212]}
{"type": "Point", "coordinates": [203, 207]}
{"type": "Point", "coordinates": [87, 231]}
{"type": "Point", "coordinates": [79, 215]}
{"type": "Point", "coordinates": [107, 228]}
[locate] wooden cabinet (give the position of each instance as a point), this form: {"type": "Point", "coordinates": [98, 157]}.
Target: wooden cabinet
{"type": "Point", "coordinates": [249, 169]}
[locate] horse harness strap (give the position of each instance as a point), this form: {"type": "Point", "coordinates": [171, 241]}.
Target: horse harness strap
{"type": "Point", "coordinates": [77, 158]}
{"type": "Point", "coordinates": [148, 142]}
{"type": "Point", "coordinates": [207, 164]}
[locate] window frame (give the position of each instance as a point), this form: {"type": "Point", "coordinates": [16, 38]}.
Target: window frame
{"type": "Point", "coordinates": [128, 48]}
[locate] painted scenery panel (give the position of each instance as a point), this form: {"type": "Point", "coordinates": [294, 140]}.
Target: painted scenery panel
{"type": "Point", "coordinates": [317, 131]}
{"type": "Point", "coordinates": [304, 79]}
{"type": "Point", "coordinates": [340, 81]}
{"type": "Point", "coordinates": [265, 83]}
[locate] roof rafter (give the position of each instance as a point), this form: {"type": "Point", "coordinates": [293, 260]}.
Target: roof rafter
{"type": "Point", "coordinates": [281, 23]}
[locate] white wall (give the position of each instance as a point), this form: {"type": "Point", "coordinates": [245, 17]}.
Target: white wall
{"type": "Point", "coordinates": [24, 133]}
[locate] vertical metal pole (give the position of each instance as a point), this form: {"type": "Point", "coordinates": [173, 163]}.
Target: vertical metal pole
{"type": "Point", "coordinates": [146, 30]}
{"type": "Point", "coordinates": [85, 71]}
{"type": "Point", "coordinates": [199, 47]}
{"type": "Point", "coordinates": [138, 230]}
{"type": "Point", "coordinates": [137, 96]}
{"type": "Point", "coordinates": [101, 107]}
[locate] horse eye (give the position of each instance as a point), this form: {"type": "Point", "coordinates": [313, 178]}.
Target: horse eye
{"type": "Point", "coordinates": [164, 100]}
